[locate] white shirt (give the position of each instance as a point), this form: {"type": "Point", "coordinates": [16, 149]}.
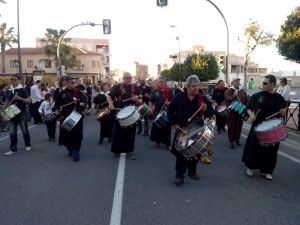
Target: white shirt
{"type": "Point", "coordinates": [284, 91]}
{"type": "Point", "coordinates": [46, 107]}
{"type": "Point", "coordinates": [35, 94]}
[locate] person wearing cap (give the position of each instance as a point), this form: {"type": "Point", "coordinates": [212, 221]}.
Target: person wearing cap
{"type": "Point", "coordinates": [124, 137]}
{"type": "Point", "coordinates": [234, 119]}
{"type": "Point", "coordinates": [182, 107]}
{"type": "Point", "coordinates": [18, 96]}
{"type": "Point", "coordinates": [67, 100]}
{"type": "Point", "coordinates": [36, 99]}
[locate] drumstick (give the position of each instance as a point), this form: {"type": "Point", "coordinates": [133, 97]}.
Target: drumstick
{"type": "Point", "coordinates": [257, 112]}
{"type": "Point", "coordinates": [179, 128]}
{"type": "Point", "coordinates": [66, 105]}
{"type": "Point", "coordinates": [275, 113]}
{"type": "Point", "coordinates": [189, 119]}
{"type": "Point", "coordinates": [103, 103]}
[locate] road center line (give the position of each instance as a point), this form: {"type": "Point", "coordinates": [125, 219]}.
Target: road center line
{"type": "Point", "coordinates": [19, 131]}
{"type": "Point", "coordinates": [116, 212]}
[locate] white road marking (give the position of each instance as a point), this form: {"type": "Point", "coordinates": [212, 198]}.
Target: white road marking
{"type": "Point", "coordinates": [116, 212]}
{"type": "Point", "coordinates": [19, 131]}
{"type": "Point", "coordinates": [282, 153]}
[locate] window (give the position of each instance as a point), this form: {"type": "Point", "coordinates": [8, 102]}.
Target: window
{"type": "Point", "coordinates": [29, 63]}
{"type": "Point", "coordinates": [78, 64]}
{"type": "Point", "coordinates": [93, 64]}
{"type": "Point", "coordinates": [98, 64]}
{"type": "Point", "coordinates": [47, 63]}
{"type": "Point", "coordinates": [13, 63]}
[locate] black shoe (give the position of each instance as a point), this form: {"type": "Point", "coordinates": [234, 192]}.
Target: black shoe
{"type": "Point", "coordinates": [232, 146]}
{"type": "Point", "coordinates": [75, 159]}
{"type": "Point", "coordinates": [238, 143]}
{"type": "Point", "coordinates": [139, 132]}
{"type": "Point", "coordinates": [146, 134]}
{"type": "Point", "coordinates": [70, 153]}
{"type": "Point", "coordinates": [130, 155]}
{"type": "Point", "coordinates": [116, 155]}
{"type": "Point", "coordinates": [178, 181]}
{"type": "Point", "coordinates": [194, 176]}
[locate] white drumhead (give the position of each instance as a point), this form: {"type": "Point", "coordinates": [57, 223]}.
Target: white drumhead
{"type": "Point", "coordinates": [267, 125]}
{"type": "Point", "coordinates": [125, 112]}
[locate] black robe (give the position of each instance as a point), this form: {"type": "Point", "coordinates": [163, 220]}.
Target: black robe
{"type": "Point", "coordinates": [256, 156]}
{"type": "Point", "coordinates": [71, 139]}
{"type": "Point", "coordinates": [107, 121]}
{"type": "Point", "coordinates": [123, 137]}
{"type": "Point", "coordinates": [160, 134]}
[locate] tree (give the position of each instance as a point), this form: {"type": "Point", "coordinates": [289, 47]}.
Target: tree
{"type": "Point", "coordinates": [254, 36]}
{"type": "Point", "coordinates": [7, 37]}
{"type": "Point", "coordinates": [50, 42]}
{"type": "Point", "coordinates": [288, 43]}
{"type": "Point", "coordinates": [204, 66]}
{"type": "Point", "coordinates": [166, 74]}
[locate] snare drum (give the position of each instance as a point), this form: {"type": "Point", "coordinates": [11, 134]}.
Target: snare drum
{"type": "Point", "coordinates": [49, 117]}
{"type": "Point", "coordinates": [102, 113]}
{"type": "Point", "coordinates": [161, 119]}
{"type": "Point", "coordinates": [144, 110]}
{"type": "Point", "coordinates": [222, 109]}
{"type": "Point", "coordinates": [71, 120]}
{"type": "Point", "coordinates": [271, 132]}
{"type": "Point", "coordinates": [238, 107]}
{"type": "Point", "coordinates": [10, 112]}
{"type": "Point", "coordinates": [128, 116]}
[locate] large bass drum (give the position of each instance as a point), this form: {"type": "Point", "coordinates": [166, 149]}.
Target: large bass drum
{"type": "Point", "coordinates": [71, 120]}
{"type": "Point", "coordinates": [195, 141]}
{"type": "Point", "coordinates": [128, 116]}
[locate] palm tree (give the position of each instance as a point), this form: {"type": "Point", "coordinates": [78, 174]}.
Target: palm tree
{"type": "Point", "coordinates": [7, 37]}
{"type": "Point", "coordinates": [50, 42]}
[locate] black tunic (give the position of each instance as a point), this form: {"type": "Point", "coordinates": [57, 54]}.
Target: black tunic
{"type": "Point", "coordinates": [160, 134]}
{"type": "Point", "coordinates": [71, 139]}
{"type": "Point", "coordinates": [107, 121]}
{"type": "Point", "coordinates": [256, 156]}
{"type": "Point", "coordinates": [123, 137]}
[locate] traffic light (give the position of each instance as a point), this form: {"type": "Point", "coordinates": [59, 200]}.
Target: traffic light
{"type": "Point", "coordinates": [161, 3]}
{"type": "Point", "coordinates": [106, 24]}
{"type": "Point", "coordinates": [222, 62]}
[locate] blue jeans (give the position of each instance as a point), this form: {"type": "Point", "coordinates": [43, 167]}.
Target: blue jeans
{"type": "Point", "coordinates": [13, 125]}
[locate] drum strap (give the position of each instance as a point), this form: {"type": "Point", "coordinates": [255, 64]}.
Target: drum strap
{"type": "Point", "coordinates": [201, 100]}
{"type": "Point", "coordinates": [122, 88]}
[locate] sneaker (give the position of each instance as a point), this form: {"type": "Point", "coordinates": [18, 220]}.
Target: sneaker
{"type": "Point", "coordinates": [178, 181]}
{"type": "Point", "coordinates": [10, 153]}
{"type": "Point", "coordinates": [28, 148]}
{"type": "Point", "coordinates": [267, 176]}
{"type": "Point", "coordinates": [250, 172]}
{"type": "Point", "coordinates": [194, 176]}
{"type": "Point", "coordinates": [130, 156]}
{"type": "Point", "coordinates": [206, 160]}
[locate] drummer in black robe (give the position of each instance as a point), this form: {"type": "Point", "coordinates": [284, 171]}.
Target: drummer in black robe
{"type": "Point", "coordinates": [261, 105]}
{"type": "Point", "coordinates": [120, 96]}
{"type": "Point", "coordinates": [235, 119]}
{"type": "Point", "coordinates": [159, 100]}
{"type": "Point", "coordinates": [219, 99]}
{"type": "Point", "coordinates": [76, 101]}
{"type": "Point", "coordinates": [182, 107]}
{"type": "Point", "coordinates": [106, 122]}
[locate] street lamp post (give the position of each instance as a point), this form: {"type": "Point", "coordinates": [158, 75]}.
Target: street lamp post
{"type": "Point", "coordinates": [227, 37]}
{"type": "Point", "coordinates": [63, 35]}
{"type": "Point", "coordinates": [19, 48]}
{"type": "Point", "coordinates": [178, 41]}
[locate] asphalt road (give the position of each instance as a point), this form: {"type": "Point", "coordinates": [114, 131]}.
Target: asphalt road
{"type": "Point", "coordinates": [44, 187]}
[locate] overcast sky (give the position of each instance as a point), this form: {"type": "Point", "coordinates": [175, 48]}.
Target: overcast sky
{"type": "Point", "coordinates": [141, 31]}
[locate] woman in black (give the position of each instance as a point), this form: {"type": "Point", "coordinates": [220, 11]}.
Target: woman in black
{"type": "Point", "coordinates": [106, 122]}
{"type": "Point", "coordinates": [77, 101]}
{"type": "Point", "coordinates": [260, 106]}
{"type": "Point", "coordinates": [124, 137]}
